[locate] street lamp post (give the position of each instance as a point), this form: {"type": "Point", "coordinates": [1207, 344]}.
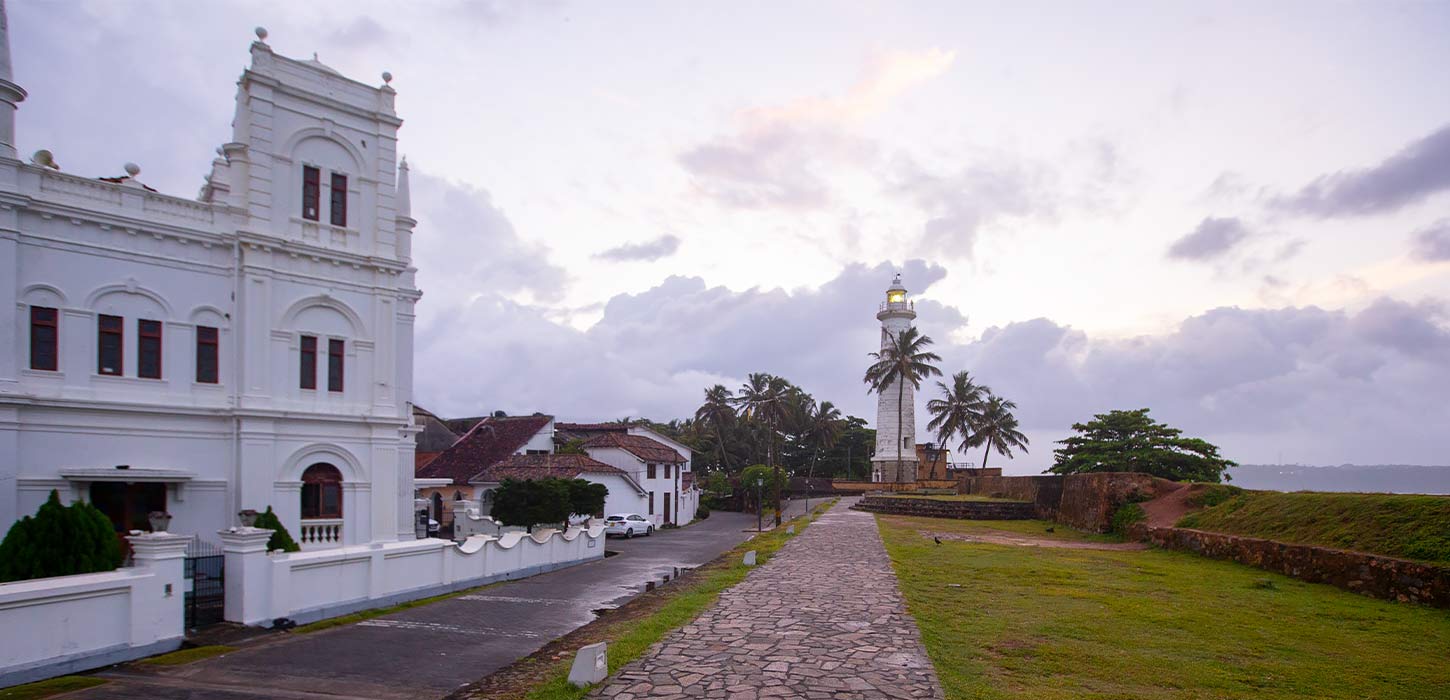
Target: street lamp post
{"type": "Point", "coordinates": [759, 503]}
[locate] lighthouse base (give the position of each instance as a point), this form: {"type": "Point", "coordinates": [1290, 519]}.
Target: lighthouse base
{"type": "Point", "coordinates": [885, 471]}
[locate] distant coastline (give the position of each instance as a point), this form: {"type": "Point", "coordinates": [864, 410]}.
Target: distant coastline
{"type": "Point", "coordinates": [1376, 478]}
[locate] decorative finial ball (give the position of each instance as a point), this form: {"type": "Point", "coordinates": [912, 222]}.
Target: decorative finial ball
{"type": "Point", "coordinates": [387, 77]}
{"type": "Point", "coordinates": [132, 169]}
{"type": "Point", "coordinates": [261, 33]}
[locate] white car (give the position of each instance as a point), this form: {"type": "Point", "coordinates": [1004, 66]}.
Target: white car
{"type": "Point", "coordinates": [628, 525]}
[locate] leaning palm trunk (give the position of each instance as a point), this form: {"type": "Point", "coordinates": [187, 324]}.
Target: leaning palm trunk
{"type": "Point", "coordinates": [987, 452]}
{"type": "Point", "coordinates": [724, 454]}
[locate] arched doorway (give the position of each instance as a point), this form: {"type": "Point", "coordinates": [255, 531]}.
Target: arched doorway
{"type": "Point", "coordinates": [321, 506]}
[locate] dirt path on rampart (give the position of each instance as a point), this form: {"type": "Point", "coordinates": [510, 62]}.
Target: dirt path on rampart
{"type": "Point", "coordinates": [1168, 509]}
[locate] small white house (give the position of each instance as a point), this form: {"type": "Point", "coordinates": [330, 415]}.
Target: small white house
{"type": "Point", "coordinates": [624, 492]}
{"type": "Point", "coordinates": [669, 498]}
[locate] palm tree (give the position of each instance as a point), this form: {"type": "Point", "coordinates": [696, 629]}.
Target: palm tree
{"type": "Point", "coordinates": [716, 413]}
{"type": "Point", "coordinates": [764, 400]}
{"type": "Point", "coordinates": [823, 429]}
{"type": "Point", "coordinates": [903, 359]}
{"type": "Point", "coordinates": [997, 427]}
{"type": "Point", "coordinates": [958, 411]}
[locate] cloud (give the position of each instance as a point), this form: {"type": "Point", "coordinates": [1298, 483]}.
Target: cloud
{"type": "Point", "coordinates": [1432, 243]}
{"type": "Point", "coordinates": [649, 251]}
{"type": "Point", "coordinates": [463, 243]}
{"type": "Point", "coordinates": [1332, 385]}
{"type": "Point", "coordinates": [782, 156]}
{"type": "Point", "coordinates": [960, 205]}
{"type": "Point", "coordinates": [1419, 170]}
{"type": "Point", "coordinates": [1211, 239]}
{"type": "Point", "coordinates": [363, 32]}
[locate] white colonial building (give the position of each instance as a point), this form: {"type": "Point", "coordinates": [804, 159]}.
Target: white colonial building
{"type": "Point", "coordinates": [895, 405]}
{"type": "Point", "coordinates": [248, 348]}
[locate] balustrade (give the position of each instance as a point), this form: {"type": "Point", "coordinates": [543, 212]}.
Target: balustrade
{"type": "Point", "coordinates": [321, 533]}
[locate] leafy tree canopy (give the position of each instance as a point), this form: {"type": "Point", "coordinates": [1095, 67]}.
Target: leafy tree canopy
{"type": "Point", "coordinates": [59, 541]}
{"type": "Point", "coordinates": [546, 501]}
{"type": "Point", "coordinates": [1130, 441]}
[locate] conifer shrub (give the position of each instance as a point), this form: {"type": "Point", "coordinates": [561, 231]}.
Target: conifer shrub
{"type": "Point", "coordinates": [281, 539]}
{"type": "Point", "coordinates": [59, 541]}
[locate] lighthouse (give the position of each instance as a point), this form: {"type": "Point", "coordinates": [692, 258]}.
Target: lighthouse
{"type": "Point", "coordinates": [895, 315]}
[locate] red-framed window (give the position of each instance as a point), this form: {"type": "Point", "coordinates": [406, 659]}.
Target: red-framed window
{"type": "Point", "coordinates": [309, 362]}
{"type": "Point", "coordinates": [208, 355]}
{"type": "Point", "coordinates": [110, 344]}
{"type": "Point", "coordinates": [311, 192]}
{"type": "Point", "coordinates": [339, 199]}
{"type": "Point", "coordinates": [44, 338]}
{"type": "Point", "coordinates": [649, 471]}
{"type": "Point", "coordinates": [321, 492]}
{"type": "Point", "coordinates": [148, 349]}
{"type": "Point", "coordinates": [334, 364]}
{"type": "Point", "coordinates": [667, 471]}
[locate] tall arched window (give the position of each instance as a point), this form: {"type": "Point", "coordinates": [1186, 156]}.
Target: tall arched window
{"type": "Point", "coordinates": [438, 506]}
{"type": "Point", "coordinates": [321, 492]}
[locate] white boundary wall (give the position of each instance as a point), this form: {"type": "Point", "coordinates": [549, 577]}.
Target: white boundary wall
{"type": "Point", "coordinates": [309, 586]}
{"type": "Point", "coordinates": [53, 626]}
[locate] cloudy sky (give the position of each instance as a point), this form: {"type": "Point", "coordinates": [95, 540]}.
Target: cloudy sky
{"type": "Point", "coordinates": [1235, 213]}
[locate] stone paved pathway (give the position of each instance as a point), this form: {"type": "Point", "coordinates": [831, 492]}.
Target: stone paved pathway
{"type": "Point", "coordinates": [822, 620]}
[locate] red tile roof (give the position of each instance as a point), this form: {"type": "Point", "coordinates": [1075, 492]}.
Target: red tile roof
{"type": "Point", "coordinates": [593, 427]}
{"type": "Point", "coordinates": [542, 466]}
{"type": "Point", "coordinates": [421, 459]}
{"type": "Point", "coordinates": [487, 443]}
{"type": "Point", "coordinates": [637, 445]}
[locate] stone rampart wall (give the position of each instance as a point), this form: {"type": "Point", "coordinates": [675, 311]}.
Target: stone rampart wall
{"type": "Point", "coordinates": [959, 510]}
{"type": "Point", "coordinates": [1368, 574]}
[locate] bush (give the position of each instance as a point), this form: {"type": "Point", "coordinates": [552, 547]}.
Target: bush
{"type": "Point", "coordinates": [761, 472]}
{"type": "Point", "coordinates": [587, 497]}
{"type": "Point", "coordinates": [59, 541]}
{"type": "Point", "coordinates": [702, 512]}
{"type": "Point", "coordinates": [281, 539]}
{"type": "Point", "coordinates": [546, 501]}
{"type": "Point", "coordinates": [1126, 516]}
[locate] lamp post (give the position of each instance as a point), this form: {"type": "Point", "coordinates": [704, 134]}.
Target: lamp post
{"type": "Point", "coordinates": [759, 502]}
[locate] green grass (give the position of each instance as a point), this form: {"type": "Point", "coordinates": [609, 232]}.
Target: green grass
{"type": "Point", "coordinates": [1396, 525]}
{"type": "Point", "coordinates": [379, 612]}
{"type": "Point", "coordinates": [690, 599]}
{"type": "Point", "coordinates": [186, 656]}
{"type": "Point", "coordinates": [1055, 624]}
{"type": "Point", "coordinates": [1035, 528]}
{"type": "Point", "coordinates": [47, 688]}
{"type": "Point", "coordinates": [951, 497]}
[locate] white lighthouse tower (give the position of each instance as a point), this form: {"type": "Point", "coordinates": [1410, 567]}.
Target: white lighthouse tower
{"type": "Point", "coordinates": [896, 315]}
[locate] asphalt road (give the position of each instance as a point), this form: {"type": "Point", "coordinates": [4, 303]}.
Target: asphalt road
{"type": "Point", "coordinates": [431, 650]}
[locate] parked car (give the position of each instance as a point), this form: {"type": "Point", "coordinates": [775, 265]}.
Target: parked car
{"type": "Point", "coordinates": [628, 525]}
{"type": "Point", "coordinates": [432, 527]}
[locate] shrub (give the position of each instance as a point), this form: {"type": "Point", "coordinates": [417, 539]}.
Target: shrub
{"type": "Point", "coordinates": [532, 502]}
{"type": "Point", "coordinates": [281, 539]}
{"type": "Point", "coordinates": [1213, 495]}
{"type": "Point", "coordinates": [586, 497]}
{"type": "Point", "coordinates": [702, 512]}
{"type": "Point", "coordinates": [761, 472]}
{"type": "Point", "coordinates": [59, 541]}
{"type": "Point", "coordinates": [1126, 516]}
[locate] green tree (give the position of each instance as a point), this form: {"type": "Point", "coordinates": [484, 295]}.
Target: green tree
{"type": "Point", "coordinates": [280, 539]}
{"type": "Point", "coordinates": [903, 359]}
{"type": "Point", "coordinates": [771, 478]}
{"type": "Point", "coordinates": [997, 429]}
{"type": "Point", "coordinates": [59, 541]}
{"type": "Point", "coordinates": [823, 430]}
{"type": "Point", "coordinates": [1130, 441]}
{"type": "Point", "coordinates": [716, 415]}
{"type": "Point", "coordinates": [587, 497]}
{"type": "Point", "coordinates": [764, 400]}
{"type": "Point", "coordinates": [571, 447]}
{"type": "Point", "coordinates": [958, 411]}
{"type": "Point", "coordinates": [531, 502]}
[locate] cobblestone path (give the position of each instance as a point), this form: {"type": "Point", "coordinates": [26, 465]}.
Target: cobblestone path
{"type": "Point", "coordinates": [822, 619]}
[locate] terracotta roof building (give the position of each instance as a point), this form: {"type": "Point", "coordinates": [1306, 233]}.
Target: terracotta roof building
{"type": "Point", "coordinates": [527, 467]}
{"type": "Point", "coordinates": [490, 441]}
{"type": "Point", "coordinates": [637, 445]}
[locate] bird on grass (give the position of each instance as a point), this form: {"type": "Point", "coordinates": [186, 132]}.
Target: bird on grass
{"type": "Point", "coordinates": [936, 539]}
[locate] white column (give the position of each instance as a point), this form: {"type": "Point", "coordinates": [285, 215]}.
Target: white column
{"type": "Point", "coordinates": [248, 580]}
{"type": "Point", "coordinates": [159, 613]}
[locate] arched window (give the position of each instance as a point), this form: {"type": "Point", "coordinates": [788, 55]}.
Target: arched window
{"type": "Point", "coordinates": [321, 492]}
{"type": "Point", "coordinates": [438, 506]}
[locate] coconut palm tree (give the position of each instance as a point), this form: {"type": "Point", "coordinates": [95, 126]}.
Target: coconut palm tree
{"type": "Point", "coordinates": [997, 428]}
{"type": "Point", "coordinates": [823, 429]}
{"type": "Point", "coordinates": [764, 399]}
{"type": "Point", "coordinates": [903, 359]}
{"type": "Point", "coordinates": [959, 409]}
{"type": "Point", "coordinates": [716, 414]}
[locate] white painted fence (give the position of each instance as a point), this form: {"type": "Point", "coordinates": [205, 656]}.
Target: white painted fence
{"type": "Point", "coordinates": [308, 586]}
{"type": "Point", "coordinates": [54, 626]}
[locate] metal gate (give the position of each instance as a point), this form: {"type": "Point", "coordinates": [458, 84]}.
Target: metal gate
{"type": "Point", "coordinates": [205, 593]}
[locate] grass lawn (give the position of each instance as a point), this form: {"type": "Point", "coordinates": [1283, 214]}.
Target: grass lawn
{"type": "Point", "coordinates": [47, 688]}
{"type": "Point", "coordinates": [1396, 525]}
{"type": "Point", "coordinates": [688, 598]}
{"type": "Point", "coordinates": [1030, 622]}
{"type": "Point", "coordinates": [951, 497]}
